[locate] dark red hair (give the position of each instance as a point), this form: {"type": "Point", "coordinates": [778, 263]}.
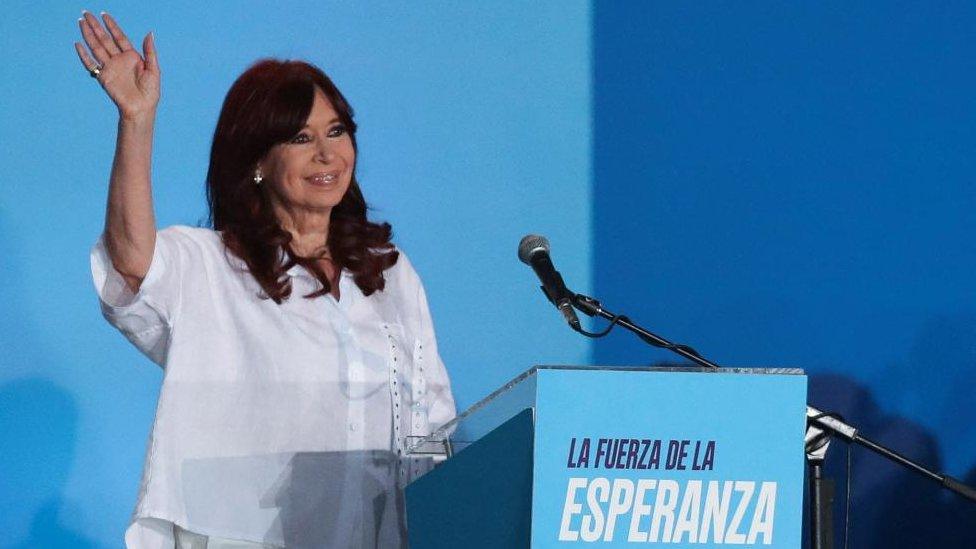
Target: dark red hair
{"type": "Point", "coordinates": [267, 105]}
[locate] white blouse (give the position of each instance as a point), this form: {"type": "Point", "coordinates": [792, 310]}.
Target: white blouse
{"type": "Point", "coordinates": [276, 424]}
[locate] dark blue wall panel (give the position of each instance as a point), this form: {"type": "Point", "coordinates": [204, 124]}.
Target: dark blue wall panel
{"type": "Point", "coordinates": [792, 185]}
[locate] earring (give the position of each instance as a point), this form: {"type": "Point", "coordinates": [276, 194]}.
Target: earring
{"type": "Point", "coordinates": [257, 177]}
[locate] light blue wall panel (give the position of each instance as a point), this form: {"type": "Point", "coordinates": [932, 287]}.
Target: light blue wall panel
{"type": "Point", "coordinates": [474, 123]}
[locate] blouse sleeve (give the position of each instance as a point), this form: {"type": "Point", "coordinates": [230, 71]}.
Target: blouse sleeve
{"type": "Point", "coordinates": [439, 399]}
{"type": "Point", "coordinates": [145, 317]}
{"type": "Point", "coordinates": [439, 393]}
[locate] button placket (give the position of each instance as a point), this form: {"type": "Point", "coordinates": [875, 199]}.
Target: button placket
{"type": "Point", "coordinates": [418, 416]}
{"type": "Point", "coordinates": [394, 391]}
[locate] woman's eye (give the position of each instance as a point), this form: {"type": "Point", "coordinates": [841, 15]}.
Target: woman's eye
{"type": "Point", "coordinates": [301, 138]}
{"type": "Point", "coordinates": [336, 131]}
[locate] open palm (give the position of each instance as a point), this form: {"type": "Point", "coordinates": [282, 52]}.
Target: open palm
{"type": "Point", "coordinates": [130, 79]}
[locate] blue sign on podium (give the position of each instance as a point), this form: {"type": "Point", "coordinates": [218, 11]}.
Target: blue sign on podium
{"type": "Point", "coordinates": [565, 456]}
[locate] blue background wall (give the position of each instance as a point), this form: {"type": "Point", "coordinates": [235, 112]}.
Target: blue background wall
{"type": "Point", "coordinates": [775, 185]}
{"type": "Point", "coordinates": [791, 184]}
{"type": "Point", "coordinates": [468, 113]}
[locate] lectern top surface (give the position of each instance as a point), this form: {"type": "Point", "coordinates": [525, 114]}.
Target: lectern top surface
{"type": "Point", "coordinates": [733, 370]}
{"type": "Point", "coordinates": [519, 393]}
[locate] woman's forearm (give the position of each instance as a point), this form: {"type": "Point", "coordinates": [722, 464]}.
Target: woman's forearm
{"type": "Point", "coordinates": [130, 224]}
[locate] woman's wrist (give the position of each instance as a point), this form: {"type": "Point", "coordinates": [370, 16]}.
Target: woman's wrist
{"type": "Point", "coordinates": [137, 119]}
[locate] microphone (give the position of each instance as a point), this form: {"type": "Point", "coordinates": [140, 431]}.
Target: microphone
{"type": "Point", "coordinates": [534, 252]}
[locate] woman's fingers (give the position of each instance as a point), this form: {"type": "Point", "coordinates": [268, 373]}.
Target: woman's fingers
{"type": "Point", "coordinates": [149, 52]}
{"type": "Point", "coordinates": [116, 31]}
{"type": "Point", "coordinates": [92, 41]}
{"type": "Point", "coordinates": [103, 38]}
{"type": "Point", "coordinates": [86, 59]}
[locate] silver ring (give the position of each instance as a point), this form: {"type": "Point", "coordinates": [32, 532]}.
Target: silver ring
{"type": "Point", "coordinates": [95, 70]}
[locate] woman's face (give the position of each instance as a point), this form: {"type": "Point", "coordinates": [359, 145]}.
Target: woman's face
{"type": "Point", "coordinates": [311, 172]}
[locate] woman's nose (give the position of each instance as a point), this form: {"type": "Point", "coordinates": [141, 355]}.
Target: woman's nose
{"type": "Point", "coordinates": [325, 152]}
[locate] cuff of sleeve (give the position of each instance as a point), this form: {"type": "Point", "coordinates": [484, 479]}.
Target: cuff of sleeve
{"type": "Point", "coordinates": [112, 290]}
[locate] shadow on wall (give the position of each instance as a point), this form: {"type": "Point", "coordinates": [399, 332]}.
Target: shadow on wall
{"type": "Point", "coordinates": [937, 378]}
{"type": "Point", "coordinates": [38, 422]}
{"type": "Point", "coordinates": [38, 419]}
{"type": "Point", "coordinates": [891, 507]}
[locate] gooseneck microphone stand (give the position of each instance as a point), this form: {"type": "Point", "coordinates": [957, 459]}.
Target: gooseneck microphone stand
{"type": "Point", "coordinates": [820, 427]}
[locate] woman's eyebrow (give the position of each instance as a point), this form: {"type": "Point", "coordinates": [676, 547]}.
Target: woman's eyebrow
{"type": "Point", "coordinates": [333, 121]}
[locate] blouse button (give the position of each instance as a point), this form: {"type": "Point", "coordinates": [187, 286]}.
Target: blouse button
{"type": "Point", "coordinates": [352, 427]}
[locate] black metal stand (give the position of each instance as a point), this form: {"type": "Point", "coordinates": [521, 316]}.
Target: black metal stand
{"type": "Point", "coordinates": [821, 492]}
{"type": "Point", "coordinates": [592, 307]}
{"type": "Point", "coordinates": [820, 427]}
{"type": "Point", "coordinates": [817, 533]}
{"type": "Point", "coordinates": [835, 427]}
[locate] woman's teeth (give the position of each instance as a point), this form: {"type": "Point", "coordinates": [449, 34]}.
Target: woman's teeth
{"type": "Point", "coordinates": [324, 178]}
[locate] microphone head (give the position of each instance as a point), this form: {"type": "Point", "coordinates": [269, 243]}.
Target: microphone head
{"type": "Point", "coordinates": [530, 245]}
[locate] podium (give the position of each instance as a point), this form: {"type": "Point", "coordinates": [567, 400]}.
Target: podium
{"type": "Point", "coordinates": [665, 457]}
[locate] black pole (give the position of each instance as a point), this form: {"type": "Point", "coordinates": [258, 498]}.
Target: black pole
{"type": "Point", "coordinates": [592, 307]}
{"type": "Point", "coordinates": [816, 517]}
{"type": "Point", "coordinates": [851, 435]}
{"type": "Point", "coordinates": [821, 530]}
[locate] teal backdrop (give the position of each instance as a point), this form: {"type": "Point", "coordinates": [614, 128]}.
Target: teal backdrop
{"type": "Point", "coordinates": [775, 184]}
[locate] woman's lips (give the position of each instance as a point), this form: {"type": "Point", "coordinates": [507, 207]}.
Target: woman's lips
{"type": "Point", "coordinates": [324, 179]}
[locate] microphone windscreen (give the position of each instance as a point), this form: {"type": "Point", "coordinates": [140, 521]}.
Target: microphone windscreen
{"type": "Point", "coordinates": [530, 245]}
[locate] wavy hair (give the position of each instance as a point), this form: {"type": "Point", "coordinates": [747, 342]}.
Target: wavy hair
{"type": "Point", "coordinates": [267, 105]}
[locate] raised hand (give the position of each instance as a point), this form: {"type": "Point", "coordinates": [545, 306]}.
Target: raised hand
{"type": "Point", "coordinates": [131, 80]}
